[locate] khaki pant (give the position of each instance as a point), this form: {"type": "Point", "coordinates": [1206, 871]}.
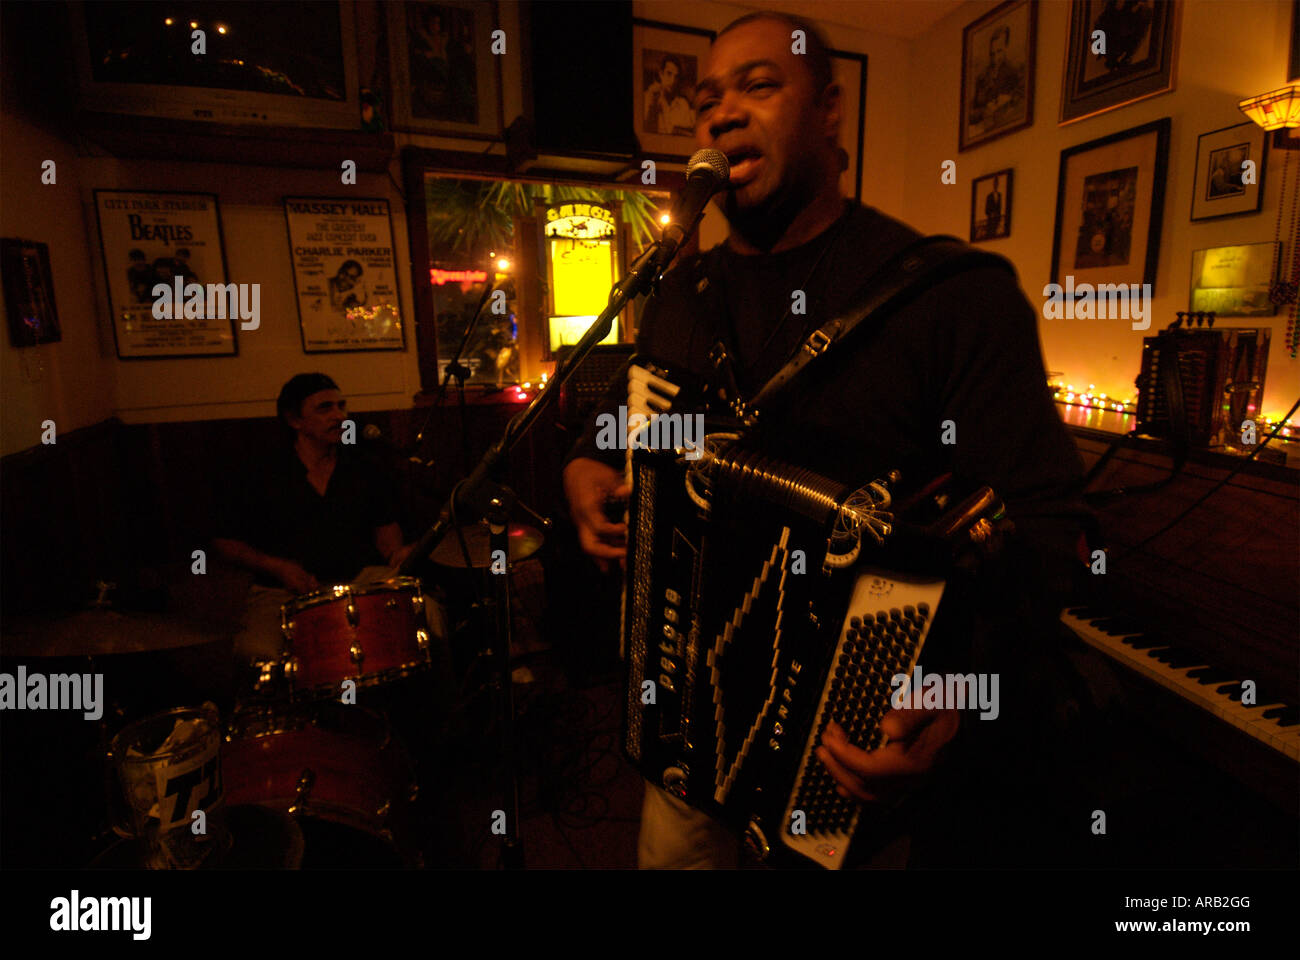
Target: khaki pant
{"type": "Point", "coordinates": [677, 837]}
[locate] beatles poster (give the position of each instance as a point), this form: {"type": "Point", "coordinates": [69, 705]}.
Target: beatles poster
{"type": "Point", "coordinates": [345, 274]}
{"type": "Point", "coordinates": [149, 239]}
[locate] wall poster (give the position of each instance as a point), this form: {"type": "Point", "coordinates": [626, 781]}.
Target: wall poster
{"type": "Point", "coordinates": [345, 274]}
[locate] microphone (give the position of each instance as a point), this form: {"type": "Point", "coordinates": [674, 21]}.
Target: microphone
{"type": "Point", "coordinates": [375, 439]}
{"type": "Point", "coordinates": [706, 173]}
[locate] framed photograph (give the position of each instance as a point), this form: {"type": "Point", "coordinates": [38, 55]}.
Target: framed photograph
{"type": "Point", "coordinates": [1293, 59]}
{"type": "Point", "coordinates": [1221, 156]}
{"type": "Point", "coordinates": [344, 274]}
{"type": "Point", "coordinates": [990, 206]}
{"type": "Point", "coordinates": [149, 239]}
{"type": "Point", "coordinates": [1118, 52]}
{"type": "Point", "coordinates": [1236, 281]}
{"type": "Point", "coordinates": [1110, 195]}
{"type": "Point", "coordinates": [29, 292]}
{"type": "Point", "coordinates": [666, 64]}
{"type": "Point", "coordinates": [849, 70]}
{"type": "Point", "coordinates": [445, 78]}
{"type": "Point", "coordinates": [997, 73]}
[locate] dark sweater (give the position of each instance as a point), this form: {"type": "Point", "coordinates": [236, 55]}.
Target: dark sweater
{"type": "Point", "coordinates": [966, 350]}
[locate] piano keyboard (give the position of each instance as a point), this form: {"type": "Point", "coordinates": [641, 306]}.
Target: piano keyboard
{"type": "Point", "coordinates": [1214, 689]}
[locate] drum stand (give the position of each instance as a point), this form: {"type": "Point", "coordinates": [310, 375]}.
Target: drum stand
{"type": "Point", "coordinates": [481, 496]}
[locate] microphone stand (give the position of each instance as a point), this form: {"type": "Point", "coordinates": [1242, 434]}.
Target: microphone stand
{"type": "Point", "coordinates": [461, 373]}
{"type": "Point", "coordinates": [483, 495]}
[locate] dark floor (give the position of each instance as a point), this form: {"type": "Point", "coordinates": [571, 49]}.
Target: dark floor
{"type": "Point", "coordinates": [579, 800]}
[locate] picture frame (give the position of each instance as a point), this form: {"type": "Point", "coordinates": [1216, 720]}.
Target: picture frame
{"type": "Point", "coordinates": [29, 292]}
{"type": "Point", "coordinates": [152, 237]}
{"type": "Point", "coordinates": [1293, 54]}
{"type": "Point", "coordinates": [1110, 196]}
{"type": "Point", "coordinates": [1218, 190]}
{"type": "Point", "coordinates": [345, 274]}
{"type": "Point", "coordinates": [849, 70]}
{"type": "Point", "coordinates": [1236, 281]}
{"type": "Point", "coordinates": [1140, 60]}
{"type": "Point", "coordinates": [990, 206]}
{"type": "Point", "coordinates": [664, 122]}
{"type": "Point", "coordinates": [444, 78]}
{"type": "Point", "coordinates": [997, 73]}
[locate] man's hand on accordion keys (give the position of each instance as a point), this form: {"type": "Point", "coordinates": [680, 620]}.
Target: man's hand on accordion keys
{"type": "Point", "coordinates": [589, 485]}
{"type": "Point", "coordinates": [915, 738]}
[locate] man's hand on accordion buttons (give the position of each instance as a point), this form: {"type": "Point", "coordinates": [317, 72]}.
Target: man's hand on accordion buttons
{"type": "Point", "coordinates": [589, 484]}
{"type": "Point", "coordinates": [915, 738]}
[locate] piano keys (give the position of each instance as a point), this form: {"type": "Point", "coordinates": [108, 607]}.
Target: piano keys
{"type": "Point", "coordinates": [1190, 612]}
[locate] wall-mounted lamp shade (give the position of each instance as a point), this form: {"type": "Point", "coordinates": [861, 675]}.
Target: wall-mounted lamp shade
{"type": "Point", "coordinates": [1275, 109]}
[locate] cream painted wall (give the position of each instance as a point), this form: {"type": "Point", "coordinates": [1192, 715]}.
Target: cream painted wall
{"type": "Point", "coordinates": [257, 251]}
{"type": "Point", "coordinates": [67, 382]}
{"type": "Point", "coordinates": [83, 380]}
{"type": "Point", "coordinates": [1229, 49]}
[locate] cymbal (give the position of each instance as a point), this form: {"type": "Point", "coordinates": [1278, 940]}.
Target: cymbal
{"type": "Point", "coordinates": [96, 633]}
{"type": "Point", "coordinates": [522, 541]}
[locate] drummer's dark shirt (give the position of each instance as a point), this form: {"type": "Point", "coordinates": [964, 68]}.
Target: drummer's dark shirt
{"type": "Point", "coordinates": [276, 509]}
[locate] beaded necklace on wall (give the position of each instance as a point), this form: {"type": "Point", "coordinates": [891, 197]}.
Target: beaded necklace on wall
{"type": "Point", "coordinates": [1283, 293]}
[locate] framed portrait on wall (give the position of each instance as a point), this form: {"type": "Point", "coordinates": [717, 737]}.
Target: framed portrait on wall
{"type": "Point", "coordinates": [344, 274]}
{"type": "Point", "coordinates": [1110, 196]}
{"type": "Point", "coordinates": [997, 73]}
{"type": "Point", "coordinates": [445, 77]}
{"type": "Point", "coordinates": [1118, 52]}
{"type": "Point", "coordinates": [849, 70]}
{"type": "Point", "coordinates": [666, 64]}
{"type": "Point", "coordinates": [29, 292]}
{"type": "Point", "coordinates": [990, 206]}
{"type": "Point", "coordinates": [173, 239]}
{"type": "Point", "coordinates": [1222, 159]}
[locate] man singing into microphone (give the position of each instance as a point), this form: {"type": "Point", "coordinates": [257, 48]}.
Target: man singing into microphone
{"type": "Point", "coordinates": [953, 382]}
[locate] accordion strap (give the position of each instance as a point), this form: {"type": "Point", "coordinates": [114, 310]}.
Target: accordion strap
{"type": "Point", "coordinates": [917, 267]}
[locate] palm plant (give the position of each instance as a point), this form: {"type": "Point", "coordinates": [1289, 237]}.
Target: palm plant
{"type": "Point", "coordinates": [473, 215]}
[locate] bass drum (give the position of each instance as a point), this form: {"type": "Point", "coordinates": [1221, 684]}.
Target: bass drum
{"type": "Point", "coordinates": [337, 770]}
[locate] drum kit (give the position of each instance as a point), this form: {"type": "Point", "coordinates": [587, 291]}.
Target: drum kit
{"type": "Point", "coordinates": [301, 774]}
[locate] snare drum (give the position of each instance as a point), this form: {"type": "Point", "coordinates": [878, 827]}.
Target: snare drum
{"type": "Point", "coordinates": [368, 633]}
{"type": "Point", "coordinates": [335, 768]}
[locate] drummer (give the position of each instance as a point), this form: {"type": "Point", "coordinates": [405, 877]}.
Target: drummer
{"type": "Point", "coordinates": [316, 513]}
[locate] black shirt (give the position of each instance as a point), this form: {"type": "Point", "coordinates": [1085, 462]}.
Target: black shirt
{"type": "Point", "coordinates": [963, 354]}
{"type": "Point", "coordinates": [965, 351]}
{"type": "Point", "coordinates": [278, 511]}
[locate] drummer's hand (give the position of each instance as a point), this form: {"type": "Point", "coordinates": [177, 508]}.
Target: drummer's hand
{"type": "Point", "coordinates": [296, 578]}
{"type": "Point", "coordinates": [400, 554]}
{"type": "Point", "coordinates": [588, 484]}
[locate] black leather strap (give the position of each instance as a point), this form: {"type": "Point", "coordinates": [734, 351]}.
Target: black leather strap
{"type": "Point", "coordinates": [916, 268]}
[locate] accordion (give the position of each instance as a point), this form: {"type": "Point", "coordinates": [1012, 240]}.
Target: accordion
{"type": "Point", "coordinates": [752, 619]}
